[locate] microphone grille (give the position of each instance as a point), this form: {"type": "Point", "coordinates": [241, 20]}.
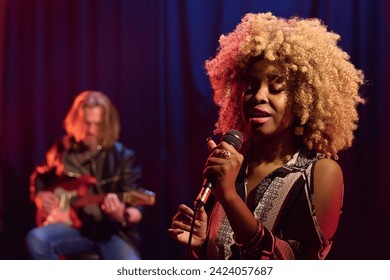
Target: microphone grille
{"type": "Point", "coordinates": [234, 138]}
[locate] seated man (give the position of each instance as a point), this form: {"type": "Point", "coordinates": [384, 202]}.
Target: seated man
{"type": "Point", "coordinates": [90, 164]}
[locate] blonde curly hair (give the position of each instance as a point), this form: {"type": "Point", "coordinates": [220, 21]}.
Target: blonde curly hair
{"type": "Point", "coordinates": [324, 84]}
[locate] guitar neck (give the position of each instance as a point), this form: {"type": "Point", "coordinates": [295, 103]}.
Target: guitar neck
{"type": "Point", "coordinates": [81, 201]}
{"type": "Point", "coordinates": [134, 198]}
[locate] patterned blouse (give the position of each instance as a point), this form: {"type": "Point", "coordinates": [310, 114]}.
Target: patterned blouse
{"type": "Point", "coordinates": [285, 206]}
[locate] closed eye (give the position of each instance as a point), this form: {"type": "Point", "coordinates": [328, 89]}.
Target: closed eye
{"type": "Point", "coordinates": [251, 86]}
{"type": "Point", "coordinates": [277, 84]}
{"type": "Point", "coordinates": [276, 89]}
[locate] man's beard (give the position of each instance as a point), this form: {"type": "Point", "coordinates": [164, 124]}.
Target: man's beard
{"type": "Point", "coordinates": [91, 142]}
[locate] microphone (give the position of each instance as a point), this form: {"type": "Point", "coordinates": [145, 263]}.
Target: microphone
{"type": "Point", "coordinates": [232, 137]}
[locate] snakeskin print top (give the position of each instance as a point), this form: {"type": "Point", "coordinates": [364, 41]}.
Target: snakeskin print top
{"type": "Point", "coordinates": [284, 202]}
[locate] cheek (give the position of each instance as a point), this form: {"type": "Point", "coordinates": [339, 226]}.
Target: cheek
{"type": "Point", "coordinates": [244, 107]}
{"type": "Point", "coordinates": [286, 111]}
{"type": "Point", "coordinates": [98, 130]}
{"type": "Point", "coordinates": [83, 129]}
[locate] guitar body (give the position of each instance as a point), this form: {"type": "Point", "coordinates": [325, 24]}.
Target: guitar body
{"type": "Point", "coordinates": [65, 189]}
{"type": "Point", "coordinates": [73, 194]}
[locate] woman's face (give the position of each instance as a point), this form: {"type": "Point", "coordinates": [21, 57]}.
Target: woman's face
{"type": "Point", "coordinates": [266, 105]}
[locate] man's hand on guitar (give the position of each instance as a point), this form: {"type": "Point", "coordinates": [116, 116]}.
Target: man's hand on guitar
{"type": "Point", "coordinates": [46, 202]}
{"type": "Point", "coordinates": [48, 210]}
{"type": "Point", "coordinates": [58, 216]}
{"type": "Point", "coordinates": [113, 207]}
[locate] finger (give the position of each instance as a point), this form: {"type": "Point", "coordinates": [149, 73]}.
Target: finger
{"type": "Point", "coordinates": [175, 231]}
{"type": "Point", "coordinates": [114, 198]}
{"type": "Point", "coordinates": [106, 206]}
{"type": "Point", "coordinates": [51, 198]}
{"type": "Point", "coordinates": [184, 209]}
{"type": "Point", "coordinates": [50, 219]}
{"type": "Point", "coordinates": [48, 206]}
{"type": "Point", "coordinates": [117, 202]}
{"type": "Point", "coordinates": [221, 153]}
{"type": "Point", "coordinates": [182, 218]}
{"type": "Point", "coordinates": [211, 144]}
{"type": "Point", "coordinates": [109, 201]}
{"type": "Point", "coordinates": [181, 226]}
{"type": "Point", "coordinates": [226, 146]}
{"type": "Point", "coordinates": [185, 214]}
{"type": "Point", "coordinates": [178, 235]}
{"type": "Point", "coordinates": [187, 220]}
{"type": "Point", "coordinates": [110, 197]}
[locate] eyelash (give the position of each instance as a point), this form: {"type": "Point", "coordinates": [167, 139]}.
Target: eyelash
{"type": "Point", "coordinates": [250, 89]}
{"type": "Point", "coordinates": [275, 90]}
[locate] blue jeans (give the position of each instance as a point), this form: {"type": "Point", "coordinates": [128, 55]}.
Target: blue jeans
{"type": "Point", "coordinates": [55, 240]}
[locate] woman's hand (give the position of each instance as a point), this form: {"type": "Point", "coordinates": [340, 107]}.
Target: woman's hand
{"type": "Point", "coordinates": [181, 226]}
{"type": "Point", "coordinates": [223, 164]}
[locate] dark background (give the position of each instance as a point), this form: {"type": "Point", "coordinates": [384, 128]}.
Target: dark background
{"type": "Point", "coordinates": [148, 56]}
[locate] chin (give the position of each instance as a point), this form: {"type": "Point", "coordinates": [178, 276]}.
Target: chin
{"type": "Point", "coordinates": [262, 132]}
{"type": "Point", "coordinates": [90, 144]}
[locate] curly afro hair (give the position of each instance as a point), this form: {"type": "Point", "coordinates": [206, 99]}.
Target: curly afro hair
{"type": "Point", "coordinates": [324, 83]}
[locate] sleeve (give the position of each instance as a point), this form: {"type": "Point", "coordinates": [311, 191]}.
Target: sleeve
{"type": "Point", "coordinates": [127, 177]}
{"type": "Point", "coordinates": [130, 172]}
{"type": "Point", "coordinates": [40, 177]}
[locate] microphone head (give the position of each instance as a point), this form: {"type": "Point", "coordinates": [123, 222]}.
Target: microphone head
{"type": "Point", "coordinates": [234, 138]}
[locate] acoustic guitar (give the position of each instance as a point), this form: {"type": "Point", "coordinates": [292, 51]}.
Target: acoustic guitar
{"type": "Point", "coordinates": [73, 194]}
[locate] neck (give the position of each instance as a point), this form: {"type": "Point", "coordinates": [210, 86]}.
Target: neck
{"type": "Point", "coordinates": [92, 147]}
{"type": "Point", "coordinates": [95, 148]}
{"type": "Point", "coordinates": [273, 150]}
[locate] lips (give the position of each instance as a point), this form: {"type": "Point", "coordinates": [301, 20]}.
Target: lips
{"type": "Point", "coordinates": [258, 115]}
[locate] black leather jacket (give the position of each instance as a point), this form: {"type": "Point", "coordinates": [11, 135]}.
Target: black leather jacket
{"type": "Point", "coordinates": [114, 169]}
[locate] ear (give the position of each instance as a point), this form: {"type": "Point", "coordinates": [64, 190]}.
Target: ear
{"type": "Point", "coordinates": [298, 127]}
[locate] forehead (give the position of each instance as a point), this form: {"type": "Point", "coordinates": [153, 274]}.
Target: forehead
{"type": "Point", "coordinates": [265, 67]}
{"type": "Point", "coordinates": [94, 113]}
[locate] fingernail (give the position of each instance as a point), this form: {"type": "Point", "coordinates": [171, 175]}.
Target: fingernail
{"type": "Point", "coordinates": [208, 139]}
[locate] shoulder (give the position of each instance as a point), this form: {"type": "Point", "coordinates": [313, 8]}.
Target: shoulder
{"type": "Point", "coordinates": [122, 151]}
{"type": "Point", "coordinates": [327, 172]}
{"type": "Point", "coordinates": [61, 143]}
{"type": "Point", "coordinates": [328, 182]}
{"type": "Point", "coordinates": [328, 194]}
{"type": "Point", "coordinates": [57, 148]}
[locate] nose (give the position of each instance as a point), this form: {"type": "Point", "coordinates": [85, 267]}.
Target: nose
{"type": "Point", "coordinates": [96, 129]}
{"type": "Point", "coordinates": [91, 129]}
{"type": "Point", "coordinates": [261, 95]}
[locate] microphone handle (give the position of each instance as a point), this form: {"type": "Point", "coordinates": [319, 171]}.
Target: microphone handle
{"type": "Point", "coordinates": [204, 194]}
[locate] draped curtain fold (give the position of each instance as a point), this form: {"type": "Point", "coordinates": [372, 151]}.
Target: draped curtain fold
{"type": "Point", "coordinates": [148, 56]}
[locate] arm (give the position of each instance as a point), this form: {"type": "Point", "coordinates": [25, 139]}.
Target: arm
{"type": "Point", "coordinates": [327, 183]}
{"type": "Point", "coordinates": [328, 195]}
{"type": "Point", "coordinates": [129, 173]}
{"type": "Point", "coordinates": [43, 198]}
{"type": "Point", "coordinates": [241, 219]}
